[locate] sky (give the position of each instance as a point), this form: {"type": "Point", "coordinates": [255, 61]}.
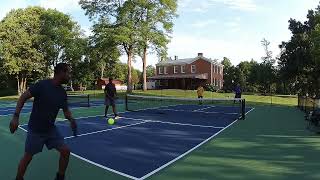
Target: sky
{"type": "Point", "coordinates": [216, 28]}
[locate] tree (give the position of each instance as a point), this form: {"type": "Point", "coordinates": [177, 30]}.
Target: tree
{"type": "Point", "coordinates": [226, 63]}
{"type": "Point", "coordinates": [34, 40]}
{"type": "Point", "coordinates": [61, 39]}
{"type": "Point", "coordinates": [135, 24]}
{"type": "Point", "coordinates": [121, 18]}
{"type": "Point", "coordinates": [19, 39]}
{"type": "Point", "coordinates": [267, 68]}
{"type": "Point", "coordinates": [104, 49]}
{"type": "Point", "coordinates": [154, 27]}
{"type": "Point", "coordinates": [150, 70]}
{"type": "Point", "coordinates": [298, 62]}
{"type": "Point", "coordinates": [228, 74]}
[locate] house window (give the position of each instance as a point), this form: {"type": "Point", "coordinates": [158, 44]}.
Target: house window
{"type": "Point", "coordinates": [160, 70]}
{"type": "Point", "coordinates": [175, 69]}
{"type": "Point", "coordinates": [183, 69]}
{"type": "Point", "coordinates": [214, 81]}
{"type": "Point", "coordinates": [165, 70]}
{"type": "Point", "coordinates": [214, 69]}
{"type": "Point", "coordinates": [193, 68]}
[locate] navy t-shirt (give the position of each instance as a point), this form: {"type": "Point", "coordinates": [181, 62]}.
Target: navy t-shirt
{"type": "Point", "coordinates": [48, 99]}
{"type": "Point", "coordinates": [110, 89]}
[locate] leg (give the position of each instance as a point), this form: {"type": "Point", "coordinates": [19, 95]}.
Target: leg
{"type": "Point", "coordinates": [106, 110]}
{"type": "Point", "coordinates": [34, 144]}
{"type": "Point", "coordinates": [56, 141]}
{"type": "Point", "coordinates": [24, 162]}
{"type": "Point", "coordinates": [114, 110]}
{"type": "Point", "coordinates": [63, 161]}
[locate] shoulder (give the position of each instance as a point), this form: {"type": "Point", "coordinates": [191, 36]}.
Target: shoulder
{"type": "Point", "coordinates": [40, 83]}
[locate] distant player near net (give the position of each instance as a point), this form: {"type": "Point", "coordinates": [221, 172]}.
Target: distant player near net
{"type": "Point", "coordinates": [237, 92]}
{"type": "Point", "coordinates": [200, 91]}
{"type": "Point", "coordinates": [49, 98]}
{"type": "Point", "coordinates": [110, 92]}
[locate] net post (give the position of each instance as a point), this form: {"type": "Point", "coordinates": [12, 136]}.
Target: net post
{"type": "Point", "coordinates": [243, 109]}
{"type": "Point", "coordinates": [126, 102]}
{"type": "Point", "coordinates": [88, 101]}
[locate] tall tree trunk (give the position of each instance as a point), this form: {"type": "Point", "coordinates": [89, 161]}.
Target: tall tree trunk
{"type": "Point", "coordinates": [18, 81]}
{"type": "Point", "coordinates": [22, 83]}
{"type": "Point", "coordinates": [144, 62]}
{"type": "Point", "coordinates": [129, 53]}
{"type": "Point", "coordinates": [103, 66]}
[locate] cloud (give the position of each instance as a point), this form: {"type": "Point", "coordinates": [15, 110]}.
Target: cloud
{"type": "Point", "coordinates": [244, 5]}
{"type": "Point", "coordinates": [188, 46]}
{"type": "Point", "coordinates": [204, 5]}
{"type": "Point", "coordinates": [87, 30]}
{"type": "Point", "coordinates": [7, 6]}
{"type": "Point", "coordinates": [202, 24]}
{"type": "Point", "coordinates": [185, 46]}
{"type": "Point", "coordinates": [234, 25]}
{"type": "Point", "coordinates": [61, 5]}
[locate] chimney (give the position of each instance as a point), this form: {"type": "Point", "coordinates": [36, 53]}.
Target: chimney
{"type": "Point", "coordinates": [200, 54]}
{"type": "Point", "coordinates": [175, 57]}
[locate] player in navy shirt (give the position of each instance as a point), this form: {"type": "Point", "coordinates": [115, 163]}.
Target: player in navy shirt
{"type": "Point", "coordinates": [49, 98]}
{"type": "Point", "coordinates": [237, 92]}
{"type": "Point", "coordinates": [110, 92]}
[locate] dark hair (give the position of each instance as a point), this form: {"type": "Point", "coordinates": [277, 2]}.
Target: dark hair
{"type": "Point", "coordinates": [61, 67]}
{"type": "Point", "coordinates": [110, 78]}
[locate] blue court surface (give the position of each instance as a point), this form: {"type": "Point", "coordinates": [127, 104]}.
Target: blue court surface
{"type": "Point", "coordinates": [142, 143]}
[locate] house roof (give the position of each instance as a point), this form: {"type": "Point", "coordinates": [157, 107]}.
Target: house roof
{"type": "Point", "coordinates": [115, 81]}
{"type": "Point", "coordinates": [171, 61]}
{"type": "Point", "coordinates": [180, 76]}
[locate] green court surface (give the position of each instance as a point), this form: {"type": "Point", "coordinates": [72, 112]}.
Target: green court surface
{"type": "Point", "coordinates": [272, 143]}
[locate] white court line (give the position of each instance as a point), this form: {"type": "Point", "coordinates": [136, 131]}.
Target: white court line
{"type": "Point", "coordinates": [186, 153]}
{"type": "Point", "coordinates": [203, 108]}
{"type": "Point", "coordinates": [95, 132]}
{"type": "Point", "coordinates": [250, 111]}
{"type": "Point", "coordinates": [104, 167]}
{"type": "Point", "coordinates": [22, 128]}
{"type": "Point", "coordinates": [212, 112]}
{"type": "Point", "coordinates": [167, 122]}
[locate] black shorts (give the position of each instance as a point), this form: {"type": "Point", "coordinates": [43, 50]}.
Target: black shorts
{"type": "Point", "coordinates": [110, 102]}
{"type": "Point", "coordinates": [200, 96]}
{"type": "Point", "coordinates": [237, 95]}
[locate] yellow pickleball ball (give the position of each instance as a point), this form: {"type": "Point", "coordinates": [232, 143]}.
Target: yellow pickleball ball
{"type": "Point", "coordinates": [111, 121]}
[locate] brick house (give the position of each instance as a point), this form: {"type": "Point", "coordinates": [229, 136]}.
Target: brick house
{"type": "Point", "coordinates": [104, 81]}
{"type": "Point", "coordinates": [188, 73]}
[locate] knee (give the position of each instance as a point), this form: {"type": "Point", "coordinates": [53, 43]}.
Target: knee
{"type": "Point", "coordinates": [27, 157]}
{"type": "Point", "coordinates": [65, 152]}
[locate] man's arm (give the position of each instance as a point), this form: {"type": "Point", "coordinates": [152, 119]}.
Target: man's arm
{"type": "Point", "coordinates": [15, 120]}
{"type": "Point", "coordinates": [68, 115]}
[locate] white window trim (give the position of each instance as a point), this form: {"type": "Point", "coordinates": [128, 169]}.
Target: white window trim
{"type": "Point", "coordinates": [183, 70]}
{"type": "Point", "coordinates": [194, 69]}
{"type": "Point", "coordinates": [175, 69]}
{"type": "Point", "coordinates": [160, 72]}
{"type": "Point", "coordinates": [165, 70]}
